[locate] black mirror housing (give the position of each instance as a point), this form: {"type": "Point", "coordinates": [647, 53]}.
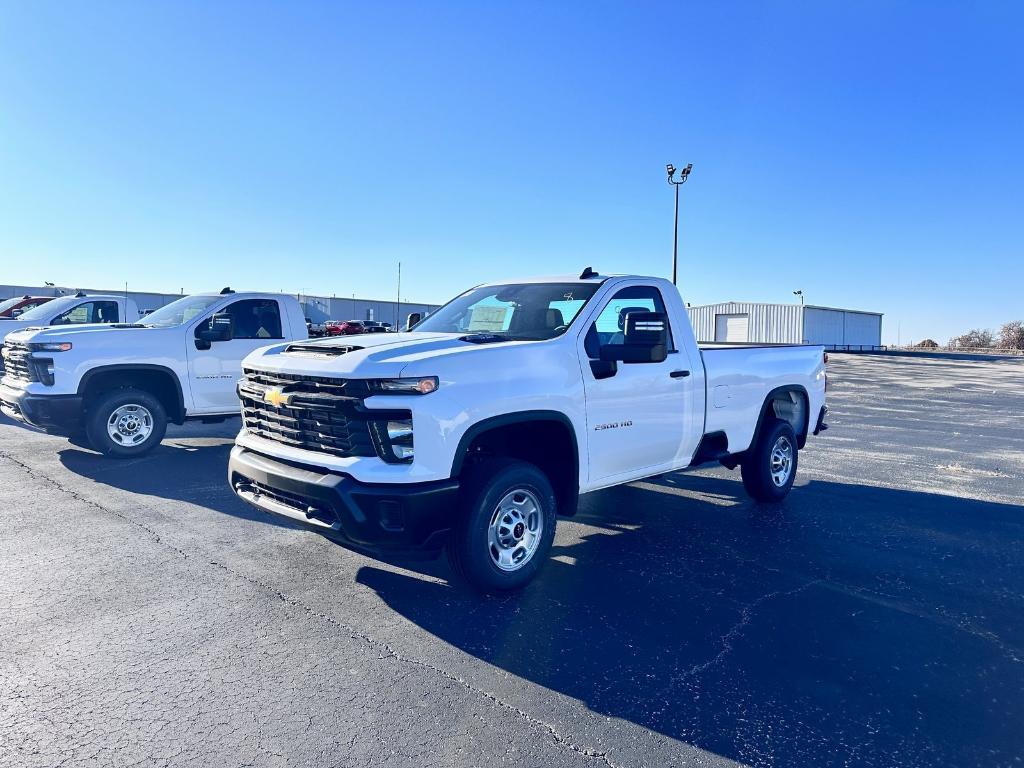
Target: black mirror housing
{"type": "Point", "coordinates": [645, 340]}
{"type": "Point", "coordinates": [414, 317]}
{"type": "Point", "coordinates": [221, 328]}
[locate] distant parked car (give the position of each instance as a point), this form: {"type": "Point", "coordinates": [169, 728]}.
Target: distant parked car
{"type": "Point", "coordinates": [372, 326]}
{"type": "Point", "coordinates": [315, 329]}
{"type": "Point", "coordinates": [11, 308]}
{"type": "Point", "coordinates": [345, 327]}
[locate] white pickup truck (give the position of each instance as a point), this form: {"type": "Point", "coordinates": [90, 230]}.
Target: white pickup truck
{"type": "Point", "coordinates": [122, 383]}
{"type": "Point", "coordinates": [79, 309]}
{"type": "Point", "coordinates": [492, 415]}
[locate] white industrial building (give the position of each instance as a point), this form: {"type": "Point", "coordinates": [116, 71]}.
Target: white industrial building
{"type": "Point", "coordinates": [757, 323]}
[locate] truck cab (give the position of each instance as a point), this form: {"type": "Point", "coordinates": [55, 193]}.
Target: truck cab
{"type": "Point", "coordinates": [475, 429]}
{"type": "Point", "coordinates": [79, 309]}
{"type": "Point", "coordinates": [121, 384]}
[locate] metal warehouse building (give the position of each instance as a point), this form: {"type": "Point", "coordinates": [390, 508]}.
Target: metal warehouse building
{"type": "Point", "coordinates": [738, 322]}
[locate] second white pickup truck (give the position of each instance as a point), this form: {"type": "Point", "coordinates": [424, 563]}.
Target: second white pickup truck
{"type": "Point", "coordinates": [476, 428]}
{"type": "Point", "coordinates": [122, 383]}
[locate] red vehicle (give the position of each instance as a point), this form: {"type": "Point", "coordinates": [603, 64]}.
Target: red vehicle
{"type": "Point", "coordinates": [344, 327]}
{"type": "Point", "coordinates": [22, 303]}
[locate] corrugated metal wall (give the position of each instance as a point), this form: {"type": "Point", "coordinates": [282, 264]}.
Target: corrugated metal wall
{"type": "Point", "coordinates": [769, 323]}
{"type": "Point", "coordinates": [318, 308]}
{"type": "Point", "coordinates": [823, 326]}
{"type": "Point", "coordinates": [792, 324]}
{"type": "Point", "coordinates": [862, 328]}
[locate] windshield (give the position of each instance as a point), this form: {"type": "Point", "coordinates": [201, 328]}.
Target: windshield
{"type": "Point", "coordinates": [49, 309]}
{"type": "Point", "coordinates": [180, 311]}
{"type": "Point", "coordinates": [527, 311]}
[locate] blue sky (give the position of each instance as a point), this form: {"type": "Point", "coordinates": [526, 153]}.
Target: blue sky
{"type": "Point", "coordinates": [871, 154]}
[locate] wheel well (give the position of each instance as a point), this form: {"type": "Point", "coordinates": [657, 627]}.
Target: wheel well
{"type": "Point", "coordinates": [790, 405]}
{"type": "Point", "coordinates": [160, 383]}
{"type": "Point", "coordinates": [549, 444]}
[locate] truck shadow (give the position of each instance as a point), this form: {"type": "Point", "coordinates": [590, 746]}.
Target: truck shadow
{"type": "Point", "coordinates": [190, 466]}
{"type": "Point", "coordinates": [851, 625]}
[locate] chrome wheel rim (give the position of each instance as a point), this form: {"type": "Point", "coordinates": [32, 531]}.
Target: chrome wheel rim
{"type": "Point", "coordinates": [130, 424]}
{"type": "Point", "coordinates": [781, 461]}
{"type": "Point", "coordinates": [516, 527]}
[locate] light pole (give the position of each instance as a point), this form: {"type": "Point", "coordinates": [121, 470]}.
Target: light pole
{"type": "Point", "coordinates": [801, 295]}
{"type": "Point", "coordinates": [683, 176]}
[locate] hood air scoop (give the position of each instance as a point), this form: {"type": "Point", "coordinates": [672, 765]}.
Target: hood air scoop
{"type": "Point", "coordinates": [319, 350]}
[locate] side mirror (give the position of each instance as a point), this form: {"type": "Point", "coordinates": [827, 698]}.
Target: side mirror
{"type": "Point", "coordinates": [16, 312]}
{"type": "Point", "coordinates": [221, 328]}
{"type": "Point", "coordinates": [645, 340]}
{"type": "Point", "coordinates": [414, 317]}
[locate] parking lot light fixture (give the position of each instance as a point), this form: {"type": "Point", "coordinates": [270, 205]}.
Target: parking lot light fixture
{"type": "Point", "coordinates": [684, 174]}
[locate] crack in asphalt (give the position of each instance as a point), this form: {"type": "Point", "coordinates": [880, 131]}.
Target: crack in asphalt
{"type": "Point", "coordinates": [385, 648]}
{"type": "Point", "coordinates": [746, 615]}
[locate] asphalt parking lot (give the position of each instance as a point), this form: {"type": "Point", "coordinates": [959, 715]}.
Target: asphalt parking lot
{"type": "Point", "coordinates": [875, 618]}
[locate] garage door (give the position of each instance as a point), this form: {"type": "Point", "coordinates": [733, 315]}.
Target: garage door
{"type": "Point", "coordinates": [731, 327]}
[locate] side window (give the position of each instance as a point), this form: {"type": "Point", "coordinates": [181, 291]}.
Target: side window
{"type": "Point", "coordinates": [254, 319]}
{"type": "Point", "coordinates": [104, 312]}
{"type": "Point", "coordinates": [609, 328]}
{"type": "Point", "coordinates": [89, 312]}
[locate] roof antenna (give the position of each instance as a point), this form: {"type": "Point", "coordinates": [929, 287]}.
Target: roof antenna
{"type": "Point", "coordinates": [225, 291]}
{"type": "Point", "coordinates": [588, 273]}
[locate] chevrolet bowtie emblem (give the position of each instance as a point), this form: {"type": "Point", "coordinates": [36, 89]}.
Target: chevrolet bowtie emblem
{"type": "Point", "coordinates": [276, 397]}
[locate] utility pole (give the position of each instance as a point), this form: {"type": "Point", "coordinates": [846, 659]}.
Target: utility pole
{"type": "Point", "coordinates": [683, 176]}
{"type": "Point", "coordinates": [398, 303]}
{"type": "Point", "coordinates": [800, 293]}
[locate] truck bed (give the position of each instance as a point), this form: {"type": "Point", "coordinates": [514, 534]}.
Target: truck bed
{"type": "Point", "coordinates": [739, 378]}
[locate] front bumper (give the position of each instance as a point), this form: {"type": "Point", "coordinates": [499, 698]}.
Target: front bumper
{"type": "Point", "coordinates": [60, 414]}
{"type": "Point", "coordinates": [408, 519]}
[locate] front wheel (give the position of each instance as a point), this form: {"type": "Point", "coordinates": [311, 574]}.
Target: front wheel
{"type": "Point", "coordinates": [770, 466]}
{"type": "Point", "coordinates": [505, 526]}
{"type": "Point", "coordinates": [125, 423]}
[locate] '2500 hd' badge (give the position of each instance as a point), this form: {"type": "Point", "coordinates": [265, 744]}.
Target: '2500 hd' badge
{"type": "Point", "coordinates": [613, 425]}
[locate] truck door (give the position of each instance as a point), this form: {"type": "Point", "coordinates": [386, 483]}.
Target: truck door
{"type": "Point", "coordinates": [638, 414]}
{"type": "Point", "coordinates": [214, 367]}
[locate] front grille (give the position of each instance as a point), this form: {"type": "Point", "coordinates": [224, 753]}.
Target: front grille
{"type": "Point", "coordinates": [15, 362]}
{"type": "Point", "coordinates": [322, 414]}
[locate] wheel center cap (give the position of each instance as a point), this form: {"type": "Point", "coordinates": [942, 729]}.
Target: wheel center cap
{"type": "Point", "coordinates": [519, 530]}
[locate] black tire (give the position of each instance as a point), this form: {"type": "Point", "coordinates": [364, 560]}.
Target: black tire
{"type": "Point", "coordinates": [485, 484]}
{"type": "Point", "coordinates": [759, 479]}
{"type": "Point", "coordinates": [150, 415]}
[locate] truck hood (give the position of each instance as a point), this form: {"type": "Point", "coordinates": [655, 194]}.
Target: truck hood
{"type": "Point", "coordinates": [9, 326]}
{"type": "Point", "coordinates": [371, 355]}
{"type": "Point", "coordinates": [102, 333]}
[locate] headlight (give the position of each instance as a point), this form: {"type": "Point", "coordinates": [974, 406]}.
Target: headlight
{"type": "Point", "coordinates": [421, 385]}
{"type": "Point", "coordinates": [50, 346]}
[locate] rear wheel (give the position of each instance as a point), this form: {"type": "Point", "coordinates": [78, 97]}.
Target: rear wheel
{"type": "Point", "coordinates": [770, 466]}
{"type": "Point", "coordinates": [124, 423]}
{"type": "Point", "coordinates": [505, 527]}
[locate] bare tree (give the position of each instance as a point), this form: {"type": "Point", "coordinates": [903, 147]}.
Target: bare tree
{"type": "Point", "coordinates": [976, 338]}
{"type": "Point", "coordinates": [1011, 335]}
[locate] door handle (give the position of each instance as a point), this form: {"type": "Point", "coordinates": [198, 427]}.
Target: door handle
{"type": "Point", "coordinates": [679, 374]}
